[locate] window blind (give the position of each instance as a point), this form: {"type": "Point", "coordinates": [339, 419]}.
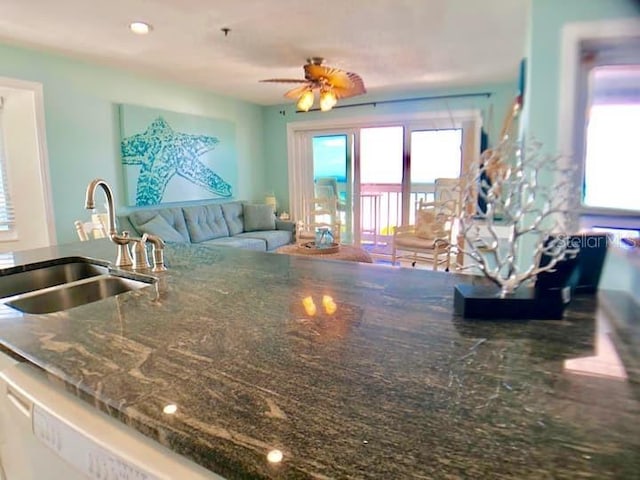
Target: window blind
{"type": "Point", "coordinates": [7, 213]}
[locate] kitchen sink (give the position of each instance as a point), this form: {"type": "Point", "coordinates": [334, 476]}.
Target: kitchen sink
{"type": "Point", "coordinates": [80, 293]}
{"type": "Point", "coordinates": [62, 284]}
{"type": "Point", "coordinates": [37, 276]}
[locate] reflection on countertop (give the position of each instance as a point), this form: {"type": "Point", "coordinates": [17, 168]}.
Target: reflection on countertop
{"type": "Point", "coordinates": [227, 363]}
{"type": "Point", "coordinates": [606, 362]}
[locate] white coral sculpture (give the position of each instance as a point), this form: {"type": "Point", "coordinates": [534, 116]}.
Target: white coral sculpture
{"type": "Point", "coordinates": [528, 193]}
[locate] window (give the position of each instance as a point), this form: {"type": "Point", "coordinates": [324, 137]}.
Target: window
{"type": "Point", "coordinates": [596, 71]}
{"type": "Point", "coordinates": [445, 145]}
{"type": "Point", "coordinates": [608, 115]}
{"type": "Point", "coordinates": [26, 206]}
{"type": "Point", "coordinates": [612, 151]}
{"type": "Point", "coordinates": [7, 219]}
{"type": "Point", "coordinates": [330, 157]}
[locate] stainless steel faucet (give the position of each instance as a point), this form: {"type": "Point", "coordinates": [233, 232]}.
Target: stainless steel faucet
{"type": "Point", "coordinates": [157, 252]}
{"type": "Point", "coordinates": [122, 241]}
{"type": "Point", "coordinates": [139, 253]}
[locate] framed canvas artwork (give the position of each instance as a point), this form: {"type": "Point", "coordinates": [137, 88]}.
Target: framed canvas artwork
{"type": "Point", "coordinates": [170, 157]}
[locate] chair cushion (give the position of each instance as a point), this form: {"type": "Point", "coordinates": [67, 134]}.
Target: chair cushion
{"type": "Point", "coordinates": [233, 215]}
{"type": "Point", "coordinates": [160, 227]}
{"type": "Point", "coordinates": [205, 222]}
{"type": "Point", "coordinates": [258, 217]}
{"type": "Point", "coordinates": [428, 225]}
{"type": "Point", "coordinates": [409, 241]}
{"type": "Point", "coordinates": [173, 216]}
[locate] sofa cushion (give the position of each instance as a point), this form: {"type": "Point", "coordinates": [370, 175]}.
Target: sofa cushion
{"type": "Point", "coordinates": [239, 242]}
{"type": "Point", "coordinates": [124, 223]}
{"type": "Point", "coordinates": [258, 217]}
{"type": "Point", "coordinates": [160, 227]}
{"type": "Point", "coordinates": [233, 215]}
{"type": "Point", "coordinates": [205, 222]}
{"type": "Point", "coordinates": [273, 238]}
{"type": "Point", "coordinates": [173, 216]}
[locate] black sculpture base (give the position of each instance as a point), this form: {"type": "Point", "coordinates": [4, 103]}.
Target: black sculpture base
{"type": "Point", "coordinates": [526, 303]}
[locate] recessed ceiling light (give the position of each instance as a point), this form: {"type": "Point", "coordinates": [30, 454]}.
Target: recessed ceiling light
{"type": "Point", "coordinates": [170, 409]}
{"type": "Point", "coordinates": [140, 28]}
{"type": "Point", "coordinates": [275, 456]}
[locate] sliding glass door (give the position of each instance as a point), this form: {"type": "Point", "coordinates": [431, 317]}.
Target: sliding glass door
{"type": "Point", "coordinates": [433, 154]}
{"type": "Point", "coordinates": [333, 175]}
{"type": "Point", "coordinates": [381, 163]}
{"type": "Point", "coordinates": [398, 168]}
{"type": "Point", "coordinates": [380, 172]}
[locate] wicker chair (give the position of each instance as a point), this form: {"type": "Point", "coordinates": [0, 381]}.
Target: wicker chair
{"type": "Point", "coordinates": [430, 239]}
{"type": "Point", "coordinates": [94, 229]}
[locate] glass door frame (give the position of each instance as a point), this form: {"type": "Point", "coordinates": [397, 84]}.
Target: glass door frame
{"type": "Point", "coordinates": [300, 158]}
{"type": "Point", "coordinates": [305, 154]}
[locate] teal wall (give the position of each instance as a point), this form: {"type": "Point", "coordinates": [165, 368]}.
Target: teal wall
{"type": "Point", "coordinates": [276, 118]}
{"type": "Point", "coordinates": [80, 101]}
{"type": "Point", "coordinates": [544, 53]}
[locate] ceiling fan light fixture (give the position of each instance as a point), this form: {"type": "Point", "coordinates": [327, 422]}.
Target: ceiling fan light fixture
{"type": "Point", "coordinates": [332, 83]}
{"type": "Point", "coordinates": [328, 99]}
{"type": "Point", "coordinates": [305, 102]}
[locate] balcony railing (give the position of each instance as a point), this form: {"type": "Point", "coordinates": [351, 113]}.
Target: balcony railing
{"type": "Point", "coordinates": [381, 210]}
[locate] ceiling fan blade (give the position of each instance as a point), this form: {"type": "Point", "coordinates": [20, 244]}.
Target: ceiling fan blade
{"type": "Point", "coordinates": [338, 78]}
{"type": "Point", "coordinates": [285, 80]}
{"type": "Point", "coordinates": [347, 84]}
{"type": "Point", "coordinates": [295, 93]}
{"type": "Point", "coordinates": [314, 72]}
{"type": "Point", "coordinates": [335, 76]}
{"type": "Point", "coordinates": [355, 87]}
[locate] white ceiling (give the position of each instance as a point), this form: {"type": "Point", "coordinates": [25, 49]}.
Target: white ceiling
{"type": "Point", "coordinates": [394, 45]}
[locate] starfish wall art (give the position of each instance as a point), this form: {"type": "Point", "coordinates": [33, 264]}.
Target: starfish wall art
{"type": "Point", "coordinates": [163, 164]}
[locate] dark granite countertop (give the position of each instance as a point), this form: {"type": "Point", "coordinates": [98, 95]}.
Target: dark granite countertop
{"type": "Point", "coordinates": [391, 385]}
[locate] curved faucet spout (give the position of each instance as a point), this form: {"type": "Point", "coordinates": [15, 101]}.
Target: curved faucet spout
{"type": "Point", "coordinates": [89, 203]}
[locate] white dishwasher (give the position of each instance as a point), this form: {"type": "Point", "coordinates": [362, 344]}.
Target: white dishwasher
{"type": "Point", "coordinates": [48, 434]}
{"type": "Point", "coordinates": [5, 362]}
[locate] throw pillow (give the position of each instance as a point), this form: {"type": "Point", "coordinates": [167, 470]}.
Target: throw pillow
{"type": "Point", "coordinates": [258, 217]}
{"type": "Point", "coordinates": [160, 227]}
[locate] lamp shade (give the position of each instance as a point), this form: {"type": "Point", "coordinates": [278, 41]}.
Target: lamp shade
{"type": "Point", "coordinates": [270, 199]}
{"type": "Point", "coordinates": [305, 101]}
{"type": "Point", "coordinates": [327, 99]}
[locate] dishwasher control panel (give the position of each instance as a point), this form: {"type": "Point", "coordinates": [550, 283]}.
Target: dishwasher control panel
{"type": "Point", "coordinates": [81, 452]}
{"type": "Point", "coordinates": [52, 434]}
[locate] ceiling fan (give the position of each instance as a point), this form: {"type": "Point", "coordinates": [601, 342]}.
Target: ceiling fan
{"type": "Point", "coordinates": [332, 83]}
